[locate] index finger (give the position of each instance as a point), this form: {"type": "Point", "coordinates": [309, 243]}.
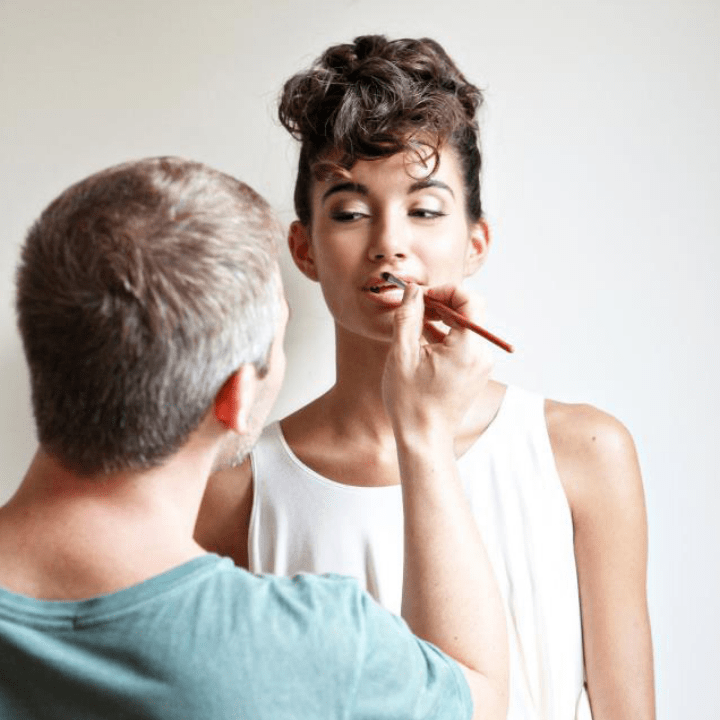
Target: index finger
{"type": "Point", "coordinates": [408, 323]}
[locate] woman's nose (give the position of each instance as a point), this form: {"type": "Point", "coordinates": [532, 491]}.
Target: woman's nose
{"type": "Point", "coordinates": [389, 239]}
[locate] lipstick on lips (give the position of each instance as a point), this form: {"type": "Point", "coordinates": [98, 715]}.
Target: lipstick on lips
{"type": "Point", "coordinates": [456, 316]}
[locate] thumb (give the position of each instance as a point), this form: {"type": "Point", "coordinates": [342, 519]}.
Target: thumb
{"type": "Point", "coordinates": [409, 319]}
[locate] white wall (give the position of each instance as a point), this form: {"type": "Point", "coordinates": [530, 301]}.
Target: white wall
{"type": "Point", "coordinates": [602, 186]}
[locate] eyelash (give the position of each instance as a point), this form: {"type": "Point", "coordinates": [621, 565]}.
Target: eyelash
{"type": "Point", "coordinates": [421, 213]}
{"type": "Point", "coordinates": [427, 214]}
{"type": "Point", "coordinates": [344, 217]}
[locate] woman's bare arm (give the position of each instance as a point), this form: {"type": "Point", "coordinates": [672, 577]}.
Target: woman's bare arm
{"type": "Point", "coordinates": [598, 465]}
{"type": "Point", "coordinates": [224, 519]}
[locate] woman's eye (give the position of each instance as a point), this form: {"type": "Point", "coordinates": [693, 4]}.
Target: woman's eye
{"type": "Point", "coordinates": [346, 215]}
{"type": "Point", "coordinates": [426, 214]}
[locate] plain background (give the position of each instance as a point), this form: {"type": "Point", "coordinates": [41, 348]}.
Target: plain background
{"type": "Point", "coordinates": [601, 183]}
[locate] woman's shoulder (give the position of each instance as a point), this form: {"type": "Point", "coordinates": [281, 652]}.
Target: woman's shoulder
{"type": "Point", "coordinates": [594, 453]}
{"type": "Point", "coordinates": [306, 425]}
{"type": "Point", "coordinates": [585, 431]}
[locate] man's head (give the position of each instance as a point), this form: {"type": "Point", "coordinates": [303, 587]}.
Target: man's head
{"type": "Point", "coordinates": [140, 291]}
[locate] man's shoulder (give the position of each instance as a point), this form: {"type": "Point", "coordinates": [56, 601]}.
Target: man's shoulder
{"type": "Point", "coordinates": [314, 592]}
{"type": "Point", "coordinates": [302, 594]}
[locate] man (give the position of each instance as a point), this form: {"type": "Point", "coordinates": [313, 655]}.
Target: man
{"type": "Point", "coordinates": [152, 315]}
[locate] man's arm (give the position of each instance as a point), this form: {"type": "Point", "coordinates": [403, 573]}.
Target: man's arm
{"type": "Point", "coordinates": [223, 522]}
{"type": "Point", "coordinates": [450, 596]}
{"type": "Point", "coordinates": [598, 465]}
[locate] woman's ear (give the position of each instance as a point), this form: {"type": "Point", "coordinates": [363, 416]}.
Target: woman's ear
{"type": "Point", "coordinates": [301, 249]}
{"type": "Point", "coordinates": [478, 247]}
{"type": "Point", "coordinates": [236, 398]}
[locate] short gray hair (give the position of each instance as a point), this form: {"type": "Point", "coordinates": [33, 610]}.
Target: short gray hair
{"type": "Point", "coordinates": [141, 289]}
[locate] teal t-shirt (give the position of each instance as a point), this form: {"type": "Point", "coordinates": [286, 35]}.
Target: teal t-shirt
{"type": "Point", "coordinates": [208, 641]}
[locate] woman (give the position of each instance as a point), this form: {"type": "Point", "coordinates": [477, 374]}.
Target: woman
{"type": "Point", "coordinates": [388, 181]}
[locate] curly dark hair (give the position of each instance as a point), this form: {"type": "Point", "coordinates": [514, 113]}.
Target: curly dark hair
{"type": "Point", "coordinates": [376, 97]}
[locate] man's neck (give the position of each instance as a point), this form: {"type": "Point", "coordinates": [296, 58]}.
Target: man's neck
{"type": "Point", "coordinates": [68, 537]}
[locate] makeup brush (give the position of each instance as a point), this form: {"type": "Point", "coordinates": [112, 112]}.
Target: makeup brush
{"type": "Point", "coordinates": [456, 316]}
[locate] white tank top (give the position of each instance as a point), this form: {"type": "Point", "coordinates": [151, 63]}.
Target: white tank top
{"type": "Point", "coordinates": [304, 522]}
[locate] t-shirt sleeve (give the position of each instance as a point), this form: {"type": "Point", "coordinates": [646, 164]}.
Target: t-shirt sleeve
{"type": "Point", "coordinates": [330, 650]}
{"type": "Point", "coordinates": [401, 676]}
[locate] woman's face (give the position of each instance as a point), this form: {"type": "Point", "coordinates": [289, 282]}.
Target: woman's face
{"type": "Point", "coordinates": [388, 215]}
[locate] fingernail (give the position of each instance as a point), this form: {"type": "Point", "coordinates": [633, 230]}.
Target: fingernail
{"type": "Point", "coordinates": [411, 291]}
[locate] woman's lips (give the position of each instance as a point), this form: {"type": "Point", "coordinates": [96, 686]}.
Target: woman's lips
{"type": "Point", "coordinates": [383, 292]}
{"type": "Point", "coordinates": [385, 295]}
{"type": "Point", "coordinates": [378, 283]}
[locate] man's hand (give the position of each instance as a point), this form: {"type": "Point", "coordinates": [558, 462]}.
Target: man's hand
{"type": "Point", "coordinates": [450, 596]}
{"type": "Point", "coordinates": [429, 387]}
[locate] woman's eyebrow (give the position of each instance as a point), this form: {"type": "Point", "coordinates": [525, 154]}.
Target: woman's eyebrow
{"type": "Point", "coordinates": [430, 183]}
{"type": "Point", "coordinates": [358, 188]}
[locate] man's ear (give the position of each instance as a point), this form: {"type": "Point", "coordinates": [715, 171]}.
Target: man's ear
{"type": "Point", "coordinates": [236, 398]}
{"type": "Point", "coordinates": [478, 247]}
{"type": "Point", "coordinates": [301, 249]}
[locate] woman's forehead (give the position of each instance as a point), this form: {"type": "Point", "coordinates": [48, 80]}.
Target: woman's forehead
{"type": "Point", "coordinates": [407, 169]}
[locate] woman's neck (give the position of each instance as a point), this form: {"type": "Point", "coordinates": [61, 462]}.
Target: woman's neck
{"type": "Point", "coordinates": [352, 412]}
{"type": "Point", "coordinates": [355, 401]}
{"type": "Point", "coordinates": [345, 434]}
